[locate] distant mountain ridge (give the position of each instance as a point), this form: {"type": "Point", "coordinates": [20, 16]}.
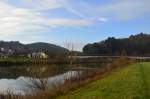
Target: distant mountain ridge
{"type": "Point", "coordinates": [18, 48]}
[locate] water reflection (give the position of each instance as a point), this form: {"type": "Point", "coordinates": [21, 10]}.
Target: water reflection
{"type": "Point", "coordinates": [32, 70]}
{"type": "Point", "coordinates": [16, 78]}
{"type": "Point", "coordinates": [19, 85]}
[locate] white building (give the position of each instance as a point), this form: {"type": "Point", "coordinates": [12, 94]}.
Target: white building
{"type": "Point", "coordinates": [38, 55]}
{"type": "Point", "coordinates": [4, 53]}
{"type": "Point", "coordinates": [2, 49]}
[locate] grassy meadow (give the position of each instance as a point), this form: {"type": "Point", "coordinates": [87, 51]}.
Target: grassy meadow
{"type": "Point", "coordinates": [132, 82]}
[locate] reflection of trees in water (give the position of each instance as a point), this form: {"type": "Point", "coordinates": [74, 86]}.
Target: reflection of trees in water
{"type": "Point", "coordinates": [50, 70]}
{"type": "Point", "coordinates": [32, 70]}
{"type": "Point", "coordinates": [37, 84]}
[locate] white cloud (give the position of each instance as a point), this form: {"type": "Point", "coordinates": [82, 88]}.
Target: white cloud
{"type": "Point", "coordinates": [125, 9]}
{"type": "Point", "coordinates": [14, 20]}
{"type": "Point", "coordinates": [116, 9]}
{"type": "Point", "coordinates": [40, 4]}
{"type": "Point", "coordinates": [83, 9]}
{"type": "Point", "coordinates": [102, 19]}
{"type": "Point", "coordinates": [17, 20]}
{"type": "Point", "coordinates": [26, 16]}
{"type": "Point", "coordinates": [69, 22]}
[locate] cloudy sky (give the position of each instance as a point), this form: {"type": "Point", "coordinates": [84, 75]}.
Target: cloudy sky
{"type": "Point", "coordinates": [76, 21]}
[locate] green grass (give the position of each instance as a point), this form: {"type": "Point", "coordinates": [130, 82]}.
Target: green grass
{"type": "Point", "coordinates": [132, 82]}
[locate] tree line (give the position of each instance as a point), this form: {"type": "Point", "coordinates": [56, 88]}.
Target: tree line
{"type": "Point", "coordinates": [135, 45]}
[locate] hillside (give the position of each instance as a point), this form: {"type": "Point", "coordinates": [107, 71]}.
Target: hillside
{"type": "Point", "coordinates": [135, 45]}
{"type": "Point", "coordinates": [131, 82]}
{"type": "Point", "coordinates": [17, 48]}
{"type": "Point", "coordinates": [46, 47]}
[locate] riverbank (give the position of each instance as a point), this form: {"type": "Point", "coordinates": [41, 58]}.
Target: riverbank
{"type": "Point", "coordinates": [60, 60]}
{"type": "Point", "coordinates": [24, 60]}
{"type": "Point", "coordinates": [128, 83]}
{"type": "Point", "coordinates": [66, 60]}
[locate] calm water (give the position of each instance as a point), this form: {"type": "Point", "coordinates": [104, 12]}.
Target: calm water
{"type": "Point", "coordinates": [21, 84]}
{"type": "Point", "coordinates": [13, 72]}
{"type": "Point", "coordinates": [17, 78]}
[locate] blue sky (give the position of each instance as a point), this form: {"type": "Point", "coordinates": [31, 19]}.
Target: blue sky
{"type": "Point", "coordinates": [76, 21]}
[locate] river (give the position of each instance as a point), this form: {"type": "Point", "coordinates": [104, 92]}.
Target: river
{"type": "Point", "coordinates": [21, 84]}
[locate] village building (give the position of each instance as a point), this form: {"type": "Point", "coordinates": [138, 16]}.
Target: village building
{"type": "Point", "coordinates": [4, 53]}
{"type": "Point", "coordinates": [38, 55]}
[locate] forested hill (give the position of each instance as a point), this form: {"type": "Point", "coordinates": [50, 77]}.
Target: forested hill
{"type": "Point", "coordinates": [135, 45]}
{"type": "Point", "coordinates": [20, 49]}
